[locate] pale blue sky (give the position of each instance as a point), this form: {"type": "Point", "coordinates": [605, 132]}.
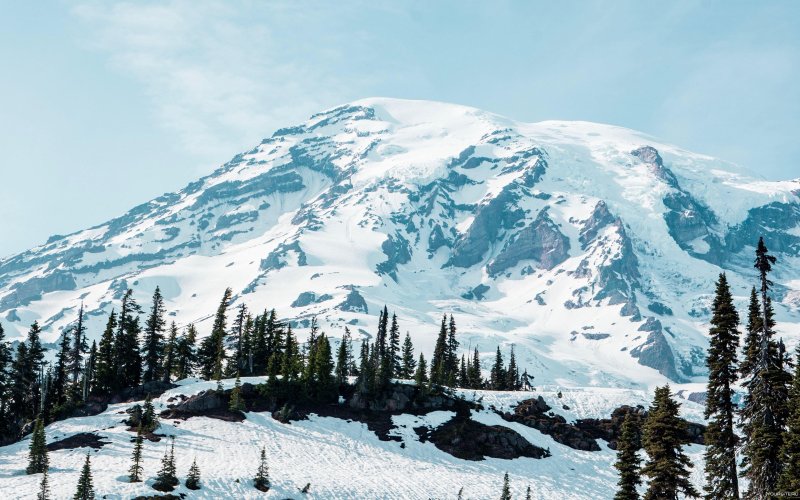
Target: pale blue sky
{"type": "Point", "coordinates": [105, 105]}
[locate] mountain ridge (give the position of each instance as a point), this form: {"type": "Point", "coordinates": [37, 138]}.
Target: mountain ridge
{"type": "Point", "coordinates": [590, 247]}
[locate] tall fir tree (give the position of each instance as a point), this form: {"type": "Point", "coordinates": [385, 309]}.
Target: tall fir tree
{"type": "Point", "coordinates": [752, 339]}
{"type": "Point", "coordinates": [261, 480]}
{"type": "Point", "coordinates": [720, 437]}
{"type": "Point", "coordinates": [451, 358]}
{"type": "Point", "coordinates": [394, 347]}
{"type": "Point", "coordinates": [497, 377]}
{"type": "Point", "coordinates": [186, 354]}
{"type": "Point", "coordinates": [62, 374]}
{"type": "Point", "coordinates": [85, 490]}
{"type": "Point", "coordinates": [166, 478]}
{"type": "Point", "coordinates": [153, 341]}
{"type": "Point", "coordinates": [5, 384]}
{"type": "Point", "coordinates": [37, 450]}
{"type": "Point", "coordinates": [790, 452]}
{"type": "Point", "coordinates": [628, 463]}
{"type": "Point", "coordinates": [237, 362]}
{"type": "Point", "coordinates": [135, 472]}
{"type": "Point", "coordinates": [80, 347]}
{"type": "Point", "coordinates": [512, 373]}
{"type": "Point", "coordinates": [211, 354]}
{"type": "Point", "coordinates": [193, 478]}
{"type": "Point", "coordinates": [170, 353]}
{"type": "Point", "coordinates": [765, 408]}
{"type": "Point", "coordinates": [474, 371]}
{"type": "Point", "coordinates": [343, 358]}
{"type": "Point", "coordinates": [439, 359]}
{"type": "Point", "coordinates": [105, 373]}
{"type": "Point", "coordinates": [127, 355]}
{"type": "Point", "coordinates": [408, 363]}
{"type": "Point", "coordinates": [667, 466]}
{"type": "Point", "coordinates": [421, 375]}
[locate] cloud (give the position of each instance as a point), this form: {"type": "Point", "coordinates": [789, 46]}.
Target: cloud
{"type": "Point", "coordinates": [219, 76]}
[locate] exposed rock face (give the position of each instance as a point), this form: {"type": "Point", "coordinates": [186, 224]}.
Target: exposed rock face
{"type": "Point", "coordinates": [354, 302]}
{"type": "Point", "coordinates": [610, 429]}
{"type": "Point", "coordinates": [307, 298]}
{"type": "Point", "coordinates": [500, 213]}
{"type": "Point", "coordinates": [655, 352]}
{"type": "Point", "coordinates": [470, 440]}
{"type": "Point", "coordinates": [32, 289]}
{"type": "Point", "coordinates": [80, 440]}
{"type": "Point", "coordinates": [775, 222]}
{"type": "Point", "coordinates": [153, 389]}
{"type": "Point", "coordinates": [406, 398]}
{"type": "Point", "coordinates": [533, 413]}
{"type": "Point", "coordinates": [601, 217]}
{"type": "Point", "coordinates": [436, 240]}
{"type": "Point", "coordinates": [397, 251]}
{"type": "Point", "coordinates": [540, 241]}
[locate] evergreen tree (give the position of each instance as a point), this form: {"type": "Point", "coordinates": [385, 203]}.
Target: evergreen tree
{"type": "Point", "coordinates": [44, 487]}
{"type": "Point", "coordinates": [193, 478]}
{"type": "Point", "coordinates": [463, 379]}
{"type": "Point", "coordinates": [211, 354]}
{"type": "Point", "coordinates": [149, 419]}
{"type": "Point", "coordinates": [439, 359]}
{"type": "Point", "coordinates": [85, 489]}
{"type": "Point", "coordinates": [474, 371]}
{"type": "Point", "coordinates": [153, 342]}
{"type": "Point", "coordinates": [236, 402]}
{"type": "Point", "coordinates": [322, 363]}
{"type": "Point", "coordinates": [667, 466]}
{"type": "Point", "coordinates": [421, 375]}
{"type": "Point", "coordinates": [261, 481]}
{"type": "Point", "coordinates": [512, 374]}
{"type": "Point", "coordinates": [170, 353]}
{"type": "Point", "coordinates": [720, 438]}
{"type": "Point", "coordinates": [528, 493]}
{"type": "Point", "coordinates": [79, 346]}
{"type": "Point", "coordinates": [344, 358]}
{"type": "Point", "coordinates": [752, 340]}
{"type": "Point", "coordinates": [497, 377]}
{"type": "Point", "coordinates": [89, 371]}
{"type": "Point", "coordinates": [37, 450]}
{"type": "Point", "coordinates": [765, 408]}
{"type": "Point", "coordinates": [261, 345]}
{"type": "Point", "coordinates": [394, 347]}
{"type": "Point", "coordinates": [789, 480]}
{"type": "Point", "coordinates": [62, 370]}
{"type": "Point", "coordinates": [505, 494]}
{"type": "Point", "coordinates": [236, 364]}
{"type": "Point", "coordinates": [127, 356]}
{"type": "Point", "coordinates": [105, 373]}
{"type": "Point", "coordinates": [135, 472]}
{"type": "Point", "coordinates": [23, 392]}
{"type": "Point", "coordinates": [166, 478]}
{"type": "Point", "coordinates": [408, 363]}
{"type": "Point", "coordinates": [186, 356]}
{"type": "Point", "coordinates": [628, 461]}
{"type": "Point", "coordinates": [451, 359]}
{"type": "Point", "coordinates": [5, 384]}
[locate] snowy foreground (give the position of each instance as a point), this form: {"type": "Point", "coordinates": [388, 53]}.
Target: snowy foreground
{"type": "Point", "coordinates": [340, 459]}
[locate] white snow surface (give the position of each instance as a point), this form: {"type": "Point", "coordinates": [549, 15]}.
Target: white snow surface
{"type": "Point", "coordinates": [341, 459]}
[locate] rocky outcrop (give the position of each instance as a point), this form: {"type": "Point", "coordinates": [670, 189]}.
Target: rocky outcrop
{"type": "Point", "coordinates": [500, 213]}
{"type": "Point", "coordinates": [655, 352]}
{"type": "Point", "coordinates": [601, 217]}
{"type": "Point", "coordinates": [541, 241]}
{"type": "Point", "coordinates": [397, 251]}
{"type": "Point", "coordinates": [534, 413]}
{"type": "Point", "coordinates": [24, 292]}
{"type": "Point", "coordinates": [353, 303]}
{"type": "Point", "coordinates": [308, 298]}
{"type": "Point", "coordinates": [80, 440]}
{"type": "Point", "coordinates": [610, 429]}
{"type": "Point", "coordinates": [470, 440]}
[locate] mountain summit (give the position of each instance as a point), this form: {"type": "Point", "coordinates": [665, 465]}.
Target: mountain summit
{"type": "Point", "coordinates": [592, 248]}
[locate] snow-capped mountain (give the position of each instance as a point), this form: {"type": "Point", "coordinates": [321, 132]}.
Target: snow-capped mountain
{"type": "Point", "coordinates": [592, 248]}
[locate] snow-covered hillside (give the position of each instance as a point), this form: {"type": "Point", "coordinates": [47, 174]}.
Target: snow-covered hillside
{"type": "Point", "coordinates": [591, 248]}
{"type": "Point", "coordinates": [341, 459]}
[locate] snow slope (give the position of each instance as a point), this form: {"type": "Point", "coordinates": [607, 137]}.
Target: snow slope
{"type": "Point", "coordinates": [592, 248]}
{"type": "Point", "coordinates": [340, 459]}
